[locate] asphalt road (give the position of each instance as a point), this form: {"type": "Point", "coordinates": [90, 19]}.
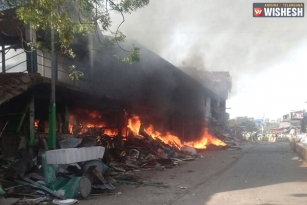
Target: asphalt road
{"type": "Point", "coordinates": [264, 173]}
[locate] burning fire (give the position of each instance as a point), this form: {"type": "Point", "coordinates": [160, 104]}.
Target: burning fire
{"type": "Point", "coordinates": [93, 120]}
{"type": "Point", "coordinates": [110, 132]}
{"type": "Point", "coordinates": [89, 120]}
{"type": "Point", "coordinates": [206, 139]}
{"type": "Point", "coordinates": [134, 124]}
{"type": "Point", "coordinates": [36, 122]}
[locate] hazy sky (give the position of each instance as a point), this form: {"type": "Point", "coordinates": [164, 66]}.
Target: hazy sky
{"type": "Point", "coordinates": [267, 57]}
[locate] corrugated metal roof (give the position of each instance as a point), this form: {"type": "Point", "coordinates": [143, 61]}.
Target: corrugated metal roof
{"type": "Point", "coordinates": [13, 84]}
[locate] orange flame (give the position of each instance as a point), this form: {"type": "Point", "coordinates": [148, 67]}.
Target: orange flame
{"type": "Point", "coordinates": [168, 138]}
{"type": "Point", "coordinates": [110, 132]}
{"type": "Point", "coordinates": [94, 115]}
{"type": "Point", "coordinates": [134, 124]}
{"type": "Point", "coordinates": [171, 140]}
{"type": "Point", "coordinates": [206, 138]}
{"type": "Point", "coordinates": [151, 131]}
{"type": "Point", "coordinates": [36, 123]}
{"type": "Point", "coordinates": [90, 120]}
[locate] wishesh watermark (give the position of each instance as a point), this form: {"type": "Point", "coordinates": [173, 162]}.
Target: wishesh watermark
{"type": "Point", "coordinates": [278, 10]}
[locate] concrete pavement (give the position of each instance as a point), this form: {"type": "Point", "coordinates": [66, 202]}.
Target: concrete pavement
{"type": "Point", "coordinates": [262, 174]}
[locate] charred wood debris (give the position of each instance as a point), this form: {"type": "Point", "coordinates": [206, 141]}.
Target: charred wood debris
{"type": "Point", "coordinates": [62, 176]}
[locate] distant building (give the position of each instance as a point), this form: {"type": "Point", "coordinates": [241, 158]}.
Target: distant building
{"type": "Point", "coordinates": [251, 119]}
{"type": "Point", "coordinates": [297, 121]}
{"type": "Point", "coordinates": [294, 120]}
{"type": "Point", "coordinates": [220, 84]}
{"type": "Point", "coordinates": [286, 118]}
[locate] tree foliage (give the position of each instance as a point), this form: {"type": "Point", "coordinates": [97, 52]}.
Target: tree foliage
{"type": "Point", "coordinates": [248, 124]}
{"type": "Point", "coordinates": [70, 17]}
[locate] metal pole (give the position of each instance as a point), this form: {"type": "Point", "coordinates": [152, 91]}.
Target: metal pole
{"type": "Point", "coordinates": [66, 122]}
{"type": "Point", "coordinates": [31, 119]}
{"type": "Point", "coordinates": [43, 64]}
{"type": "Point", "coordinates": [3, 128]}
{"type": "Point", "coordinates": [91, 41]}
{"type": "Point", "coordinates": [52, 106]}
{"type": "Point", "coordinates": [3, 58]}
{"type": "Point", "coordinates": [23, 115]}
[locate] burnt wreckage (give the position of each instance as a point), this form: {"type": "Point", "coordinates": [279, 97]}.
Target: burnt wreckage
{"type": "Point", "coordinates": [149, 115]}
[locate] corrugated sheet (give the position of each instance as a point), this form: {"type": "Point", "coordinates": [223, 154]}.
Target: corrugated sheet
{"type": "Point", "coordinates": [73, 155]}
{"type": "Point", "coordinates": [13, 84]}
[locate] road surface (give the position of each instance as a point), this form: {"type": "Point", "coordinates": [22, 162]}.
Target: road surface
{"type": "Point", "coordinates": [260, 173]}
{"type": "Point", "coordinates": [264, 173]}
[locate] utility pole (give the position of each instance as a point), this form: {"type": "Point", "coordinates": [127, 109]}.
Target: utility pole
{"type": "Point", "coordinates": [3, 58]}
{"type": "Point", "coordinates": [52, 105]}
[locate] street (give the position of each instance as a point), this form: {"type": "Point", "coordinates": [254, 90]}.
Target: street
{"type": "Point", "coordinates": [260, 173]}
{"type": "Point", "coordinates": [263, 174]}
{"type": "Point", "coordinates": [115, 102]}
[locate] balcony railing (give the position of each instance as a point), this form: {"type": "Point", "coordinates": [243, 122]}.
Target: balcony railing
{"type": "Point", "coordinates": [16, 61]}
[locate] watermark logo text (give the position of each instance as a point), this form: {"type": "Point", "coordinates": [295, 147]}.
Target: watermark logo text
{"type": "Point", "coordinates": [278, 9]}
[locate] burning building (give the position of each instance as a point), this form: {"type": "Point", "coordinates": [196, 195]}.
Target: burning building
{"type": "Point", "coordinates": [113, 97]}
{"type": "Point", "coordinates": [220, 83]}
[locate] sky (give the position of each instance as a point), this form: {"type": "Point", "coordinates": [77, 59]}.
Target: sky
{"type": "Point", "coordinates": [265, 56]}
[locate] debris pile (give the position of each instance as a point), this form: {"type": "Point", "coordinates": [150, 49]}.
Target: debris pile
{"type": "Point", "coordinates": [89, 163]}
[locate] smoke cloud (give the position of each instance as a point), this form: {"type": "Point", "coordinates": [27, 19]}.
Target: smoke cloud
{"type": "Point", "coordinates": [218, 35]}
{"type": "Point", "coordinates": [215, 35]}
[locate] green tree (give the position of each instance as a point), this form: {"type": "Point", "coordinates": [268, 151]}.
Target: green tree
{"type": "Point", "coordinates": [69, 18]}
{"type": "Point", "coordinates": [66, 19]}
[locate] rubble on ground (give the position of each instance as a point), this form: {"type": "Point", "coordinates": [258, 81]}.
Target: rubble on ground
{"type": "Point", "coordinates": [88, 164]}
